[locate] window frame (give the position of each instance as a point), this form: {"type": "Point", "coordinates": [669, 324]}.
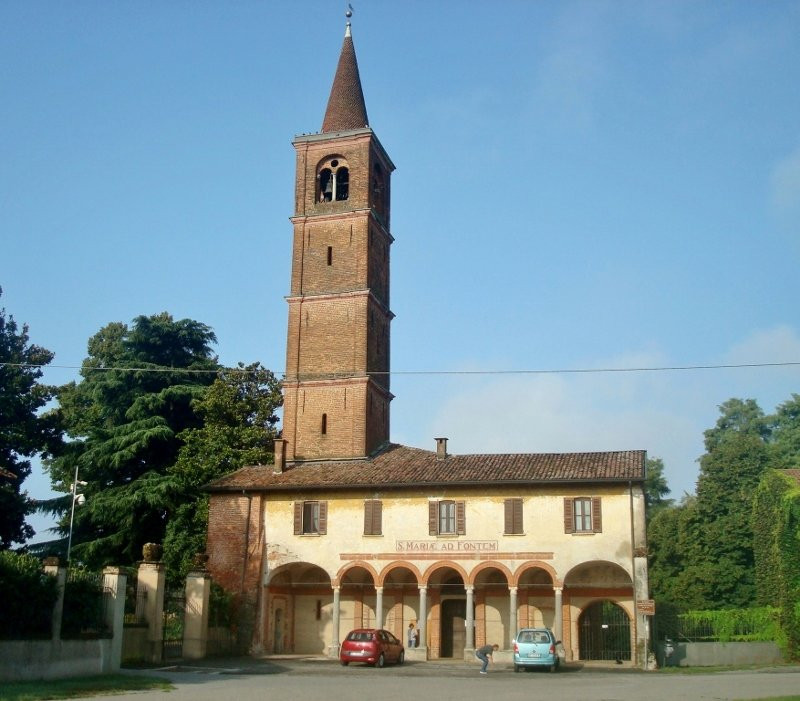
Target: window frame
{"type": "Point", "coordinates": [593, 519]}
{"type": "Point", "coordinates": [435, 517]}
{"type": "Point", "coordinates": [311, 517]}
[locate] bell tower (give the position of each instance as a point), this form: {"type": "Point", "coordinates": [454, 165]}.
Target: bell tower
{"type": "Point", "coordinates": [336, 388]}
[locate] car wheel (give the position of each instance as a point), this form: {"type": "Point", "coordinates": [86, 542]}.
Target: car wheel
{"type": "Point", "coordinates": [381, 661]}
{"type": "Point", "coordinates": [344, 663]}
{"type": "Point", "coordinates": [401, 658]}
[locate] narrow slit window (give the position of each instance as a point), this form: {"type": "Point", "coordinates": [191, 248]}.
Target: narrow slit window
{"type": "Point", "coordinates": [324, 426]}
{"type": "Point", "coordinates": [330, 255]}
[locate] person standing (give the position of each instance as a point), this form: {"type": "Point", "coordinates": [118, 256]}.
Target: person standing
{"type": "Point", "coordinates": [484, 654]}
{"type": "Point", "coordinates": [412, 634]}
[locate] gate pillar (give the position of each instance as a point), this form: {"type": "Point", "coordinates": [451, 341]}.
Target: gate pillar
{"type": "Point", "coordinates": [150, 584]}
{"type": "Point", "coordinates": [195, 622]}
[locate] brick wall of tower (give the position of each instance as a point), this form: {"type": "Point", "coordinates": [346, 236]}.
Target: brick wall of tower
{"type": "Point", "coordinates": [235, 543]}
{"type": "Point", "coordinates": [337, 350]}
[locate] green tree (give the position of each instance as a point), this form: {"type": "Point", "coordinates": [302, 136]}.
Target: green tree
{"type": "Point", "coordinates": [23, 432]}
{"type": "Point", "coordinates": [656, 487]}
{"type": "Point", "coordinates": [239, 429]}
{"type": "Point", "coordinates": [785, 434]}
{"type": "Point", "coordinates": [124, 419]}
{"type": "Point", "coordinates": [720, 560]}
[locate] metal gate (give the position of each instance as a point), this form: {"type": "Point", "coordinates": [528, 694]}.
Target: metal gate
{"type": "Point", "coordinates": [174, 610]}
{"type": "Point", "coordinates": [605, 632]}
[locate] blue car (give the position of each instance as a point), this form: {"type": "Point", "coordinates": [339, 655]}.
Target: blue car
{"type": "Point", "coordinates": [535, 647]}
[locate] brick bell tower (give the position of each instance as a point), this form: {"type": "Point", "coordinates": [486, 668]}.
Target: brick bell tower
{"type": "Point", "coordinates": [336, 388]}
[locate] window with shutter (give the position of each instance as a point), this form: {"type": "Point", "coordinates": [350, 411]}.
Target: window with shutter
{"type": "Point", "coordinates": [310, 517]}
{"type": "Point", "coordinates": [373, 512]}
{"type": "Point", "coordinates": [433, 515]}
{"type": "Point", "coordinates": [583, 515]}
{"type": "Point", "coordinates": [513, 516]}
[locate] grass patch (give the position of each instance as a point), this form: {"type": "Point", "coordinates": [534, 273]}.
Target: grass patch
{"type": "Point", "coordinates": [77, 687]}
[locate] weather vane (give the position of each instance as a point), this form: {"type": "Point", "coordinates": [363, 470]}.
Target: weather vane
{"type": "Point", "coordinates": [349, 12]}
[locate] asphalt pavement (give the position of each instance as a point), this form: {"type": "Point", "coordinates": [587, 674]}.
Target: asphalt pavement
{"type": "Point", "coordinates": [260, 679]}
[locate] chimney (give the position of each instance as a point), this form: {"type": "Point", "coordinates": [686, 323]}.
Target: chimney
{"type": "Point", "coordinates": [441, 448]}
{"type": "Point", "coordinates": [280, 455]}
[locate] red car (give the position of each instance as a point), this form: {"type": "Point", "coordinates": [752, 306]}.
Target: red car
{"type": "Point", "coordinates": [373, 646]}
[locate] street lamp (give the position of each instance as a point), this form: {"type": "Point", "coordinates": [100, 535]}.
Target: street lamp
{"type": "Point", "coordinates": [81, 500]}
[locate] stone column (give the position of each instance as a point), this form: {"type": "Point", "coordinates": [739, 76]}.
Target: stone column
{"type": "Point", "coordinates": [513, 624]}
{"type": "Point", "coordinates": [379, 607]}
{"type": "Point", "coordinates": [114, 582]}
{"type": "Point", "coordinates": [422, 624]}
{"type": "Point", "coordinates": [334, 648]}
{"type": "Point", "coordinates": [53, 568]}
{"type": "Point", "coordinates": [470, 642]}
{"type": "Point", "coordinates": [151, 579]}
{"type": "Point", "coordinates": [558, 620]}
{"type": "Point", "coordinates": [195, 617]}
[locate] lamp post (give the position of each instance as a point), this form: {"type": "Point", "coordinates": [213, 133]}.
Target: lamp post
{"type": "Point", "coordinates": [75, 498]}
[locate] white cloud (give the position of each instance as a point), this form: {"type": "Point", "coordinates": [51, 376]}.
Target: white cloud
{"type": "Point", "coordinates": [664, 412]}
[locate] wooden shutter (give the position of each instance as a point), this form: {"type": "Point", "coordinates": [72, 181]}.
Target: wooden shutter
{"type": "Point", "coordinates": [373, 512]}
{"type": "Point", "coordinates": [597, 515]}
{"type": "Point", "coordinates": [298, 517]}
{"type": "Point", "coordinates": [461, 518]}
{"type": "Point", "coordinates": [323, 517]}
{"type": "Point", "coordinates": [569, 515]}
{"type": "Point", "coordinates": [513, 515]}
{"type": "Point", "coordinates": [433, 517]}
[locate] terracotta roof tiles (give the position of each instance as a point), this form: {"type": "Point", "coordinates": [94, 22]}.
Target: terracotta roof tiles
{"type": "Point", "coordinates": [346, 107]}
{"type": "Point", "coordinates": [400, 466]}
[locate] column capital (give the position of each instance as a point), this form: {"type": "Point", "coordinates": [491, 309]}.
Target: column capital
{"type": "Point", "coordinates": [513, 590]}
{"type": "Point", "coordinates": [469, 589]}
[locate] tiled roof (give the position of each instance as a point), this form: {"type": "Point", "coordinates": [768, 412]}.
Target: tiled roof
{"type": "Point", "coordinates": [399, 466]}
{"type": "Point", "coordinates": [346, 107]}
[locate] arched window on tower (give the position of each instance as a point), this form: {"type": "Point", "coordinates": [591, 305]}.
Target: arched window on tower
{"type": "Point", "coordinates": [333, 181]}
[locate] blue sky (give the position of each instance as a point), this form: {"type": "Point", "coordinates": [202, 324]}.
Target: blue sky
{"type": "Point", "coordinates": [579, 185]}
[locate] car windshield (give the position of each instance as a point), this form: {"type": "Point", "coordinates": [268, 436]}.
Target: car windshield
{"type": "Point", "coordinates": [360, 636]}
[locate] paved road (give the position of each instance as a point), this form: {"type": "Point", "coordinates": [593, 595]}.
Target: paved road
{"type": "Point", "coordinates": [279, 680]}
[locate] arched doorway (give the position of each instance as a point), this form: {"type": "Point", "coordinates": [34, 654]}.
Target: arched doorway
{"type": "Point", "coordinates": [448, 613]}
{"type": "Point", "coordinates": [299, 598]}
{"type": "Point", "coordinates": [605, 632]}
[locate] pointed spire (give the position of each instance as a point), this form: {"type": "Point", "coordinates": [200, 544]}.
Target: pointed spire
{"type": "Point", "coordinates": [346, 108]}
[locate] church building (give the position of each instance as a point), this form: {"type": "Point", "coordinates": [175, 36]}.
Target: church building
{"type": "Point", "coordinates": [348, 529]}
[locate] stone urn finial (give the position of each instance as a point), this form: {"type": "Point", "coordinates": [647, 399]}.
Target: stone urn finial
{"type": "Point", "coordinates": [151, 552]}
{"type": "Point", "coordinates": [200, 561]}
